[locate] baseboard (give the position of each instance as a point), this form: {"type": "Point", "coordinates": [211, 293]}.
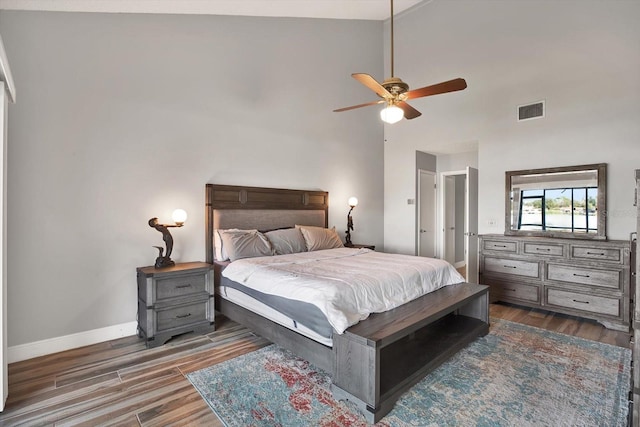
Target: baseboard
{"type": "Point", "coordinates": [459, 264]}
{"type": "Point", "coordinates": [21, 352]}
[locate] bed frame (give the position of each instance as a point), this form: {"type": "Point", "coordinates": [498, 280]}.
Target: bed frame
{"type": "Point", "coordinates": [375, 361]}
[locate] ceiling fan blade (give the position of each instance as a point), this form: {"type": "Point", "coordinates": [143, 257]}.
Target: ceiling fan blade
{"type": "Point", "coordinates": [372, 84]}
{"type": "Point", "coordinates": [357, 106]}
{"type": "Point", "coordinates": [409, 111]}
{"type": "Point", "coordinates": [444, 87]}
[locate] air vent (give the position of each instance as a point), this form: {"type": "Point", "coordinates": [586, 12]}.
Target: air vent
{"type": "Point", "coordinates": [531, 111]}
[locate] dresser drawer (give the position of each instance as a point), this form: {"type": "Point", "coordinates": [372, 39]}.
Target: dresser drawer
{"type": "Point", "coordinates": [179, 286]}
{"type": "Point", "coordinates": [516, 291]}
{"type": "Point", "coordinates": [182, 315]}
{"type": "Point", "coordinates": [497, 245]}
{"type": "Point", "coordinates": [511, 266]}
{"type": "Point", "coordinates": [611, 279]}
{"type": "Point", "coordinates": [590, 252]}
{"type": "Point", "coordinates": [543, 249]}
{"type": "Point", "coordinates": [577, 301]}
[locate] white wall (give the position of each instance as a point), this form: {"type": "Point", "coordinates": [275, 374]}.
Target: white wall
{"type": "Point", "coordinates": [125, 117]}
{"type": "Point", "coordinates": [581, 56]}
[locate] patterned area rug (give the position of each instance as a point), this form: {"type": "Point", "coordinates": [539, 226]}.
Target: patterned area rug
{"type": "Point", "coordinates": [517, 375]}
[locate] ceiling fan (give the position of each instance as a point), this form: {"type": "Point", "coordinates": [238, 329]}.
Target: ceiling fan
{"type": "Point", "coordinates": [394, 92]}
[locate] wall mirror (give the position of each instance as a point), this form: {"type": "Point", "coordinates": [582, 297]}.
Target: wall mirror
{"type": "Point", "coordinates": [557, 202]}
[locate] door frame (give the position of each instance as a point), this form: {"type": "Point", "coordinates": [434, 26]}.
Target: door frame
{"type": "Point", "coordinates": [435, 210]}
{"type": "Point", "coordinates": [470, 237]}
{"type": "Point", "coordinates": [441, 213]}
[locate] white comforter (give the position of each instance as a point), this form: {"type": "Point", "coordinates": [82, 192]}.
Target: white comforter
{"type": "Point", "coordinates": [345, 284]}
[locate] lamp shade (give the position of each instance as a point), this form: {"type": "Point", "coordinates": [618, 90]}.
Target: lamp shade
{"type": "Point", "coordinates": [391, 114]}
{"type": "Point", "coordinates": [353, 201]}
{"type": "Point", "coordinates": [179, 216]}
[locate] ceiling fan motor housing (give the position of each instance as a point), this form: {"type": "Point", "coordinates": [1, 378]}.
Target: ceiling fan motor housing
{"type": "Point", "coordinates": [395, 86]}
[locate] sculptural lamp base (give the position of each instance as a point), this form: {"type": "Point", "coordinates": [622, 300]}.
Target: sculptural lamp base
{"type": "Point", "coordinates": [162, 262]}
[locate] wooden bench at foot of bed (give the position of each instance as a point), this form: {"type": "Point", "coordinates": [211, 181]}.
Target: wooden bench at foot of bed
{"type": "Point", "coordinates": [378, 360]}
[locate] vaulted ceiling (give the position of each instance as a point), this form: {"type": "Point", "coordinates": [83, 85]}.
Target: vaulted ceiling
{"type": "Point", "coordinates": [336, 9]}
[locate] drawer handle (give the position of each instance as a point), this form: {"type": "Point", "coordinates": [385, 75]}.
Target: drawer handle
{"type": "Point", "coordinates": [188, 285]}
{"type": "Point", "coordinates": [596, 253]}
{"type": "Point", "coordinates": [500, 246]}
{"type": "Point", "coordinates": [543, 249]}
{"type": "Point", "coordinates": [512, 290]}
{"type": "Point", "coordinates": [581, 302]}
{"type": "Point", "coordinates": [581, 275]}
{"type": "Point", "coordinates": [509, 266]}
{"type": "Point", "coordinates": [182, 316]}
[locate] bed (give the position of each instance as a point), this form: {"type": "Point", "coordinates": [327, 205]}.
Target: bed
{"type": "Point", "coordinates": [371, 361]}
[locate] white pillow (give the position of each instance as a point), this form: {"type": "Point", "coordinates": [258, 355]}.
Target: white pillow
{"type": "Point", "coordinates": [219, 252]}
{"type": "Point", "coordinates": [286, 241]}
{"type": "Point", "coordinates": [217, 247]}
{"type": "Point", "coordinates": [319, 238]}
{"type": "Point", "coordinates": [240, 244]}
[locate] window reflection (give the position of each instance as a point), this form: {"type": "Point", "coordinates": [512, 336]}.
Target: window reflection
{"type": "Point", "coordinates": [557, 200]}
{"type": "Point", "coordinates": [565, 209]}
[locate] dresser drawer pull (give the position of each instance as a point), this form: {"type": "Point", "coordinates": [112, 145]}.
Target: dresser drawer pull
{"type": "Point", "coordinates": [500, 246]}
{"type": "Point", "coordinates": [512, 290]}
{"type": "Point", "coordinates": [182, 316]}
{"type": "Point", "coordinates": [596, 253]}
{"type": "Point", "coordinates": [581, 302]}
{"type": "Point", "coordinates": [509, 266]}
{"type": "Point", "coordinates": [543, 249]}
{"type": "Point", "coordinates": [581, 275]}
{"type": "Point", "coordinates": [188, 285]}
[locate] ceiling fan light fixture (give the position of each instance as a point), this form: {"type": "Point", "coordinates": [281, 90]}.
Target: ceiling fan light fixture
{"type": "Point", "coordinates": [391, 114]}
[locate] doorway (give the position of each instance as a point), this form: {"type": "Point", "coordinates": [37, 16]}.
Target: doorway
{"type": "Point", "coordinates": [427, 213]}
{"type": "Point", "coordinates": [459, 221]}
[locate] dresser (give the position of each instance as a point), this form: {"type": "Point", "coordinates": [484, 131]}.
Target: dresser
{"type": "Point", "coordinates": [586, 278]}
{"type": "Point", "coordinates": [174, 300]}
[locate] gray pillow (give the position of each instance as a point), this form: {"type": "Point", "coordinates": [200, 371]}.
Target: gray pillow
{"type": "Point", "coordinates": [287, 241]}
{"type": "Point", "coordinates": [319, 238]}
{"type": "Point", "coordinates": [245, 244]}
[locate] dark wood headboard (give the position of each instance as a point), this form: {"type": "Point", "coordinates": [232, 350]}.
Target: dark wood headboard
{"type": "Point", "coordinates": [258, 198]}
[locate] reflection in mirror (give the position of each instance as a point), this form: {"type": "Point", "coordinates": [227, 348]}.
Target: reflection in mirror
{"type": "Point", "coordinates": [566, 202]}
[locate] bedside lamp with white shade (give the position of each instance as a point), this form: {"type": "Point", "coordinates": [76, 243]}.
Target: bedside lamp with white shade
{"type": "Point", "coordinates": [179, 216]}
{"type": "Point", "coordinates": [353, 202]}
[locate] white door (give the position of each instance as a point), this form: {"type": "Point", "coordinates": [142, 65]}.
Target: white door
{"type": "Point", "coordinates": [449, 223]}
{"type": "Point", "coordinates": [4, 383]}
{"type": "Point", "coordinates": [427, 214]}
{"type": "Point", "coordinates": [7, 93]}
{"type": "Point", "coordinates": [471, 225]}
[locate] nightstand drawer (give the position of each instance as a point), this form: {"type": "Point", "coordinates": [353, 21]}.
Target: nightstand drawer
{"type": "Point", "coordinates": [577, 301]}
{"type": "Point", "coordinates": [511, 266]}
{"type": "Point", "coordinates": [543, 249]}
{"type": "Point", "coordinates": [611, 279]}
{"type": "Point", "coordinates": [604, 254]}
{"type": "Point", "coordinates": [496, 245]}
{"type": "Point", "coordinates": [179, 286]}
{"type": "Point", "coordinates": [177, 316]}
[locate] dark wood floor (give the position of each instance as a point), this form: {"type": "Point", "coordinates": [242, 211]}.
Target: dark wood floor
{"type": "Point", "coordinates": [122, 383]}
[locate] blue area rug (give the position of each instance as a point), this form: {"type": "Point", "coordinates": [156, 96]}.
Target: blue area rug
{"type": "Point", "coordinates": [517, 375]}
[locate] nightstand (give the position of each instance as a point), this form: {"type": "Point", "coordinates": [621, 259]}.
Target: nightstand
{"type": "Point", "coordinates": [357, 246]}
{"type": "Point", "coordinates": [174, 300]}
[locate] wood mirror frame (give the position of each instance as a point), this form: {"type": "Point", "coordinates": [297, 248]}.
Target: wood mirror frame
{"type": "Point", "coordinates": [538, 175]}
